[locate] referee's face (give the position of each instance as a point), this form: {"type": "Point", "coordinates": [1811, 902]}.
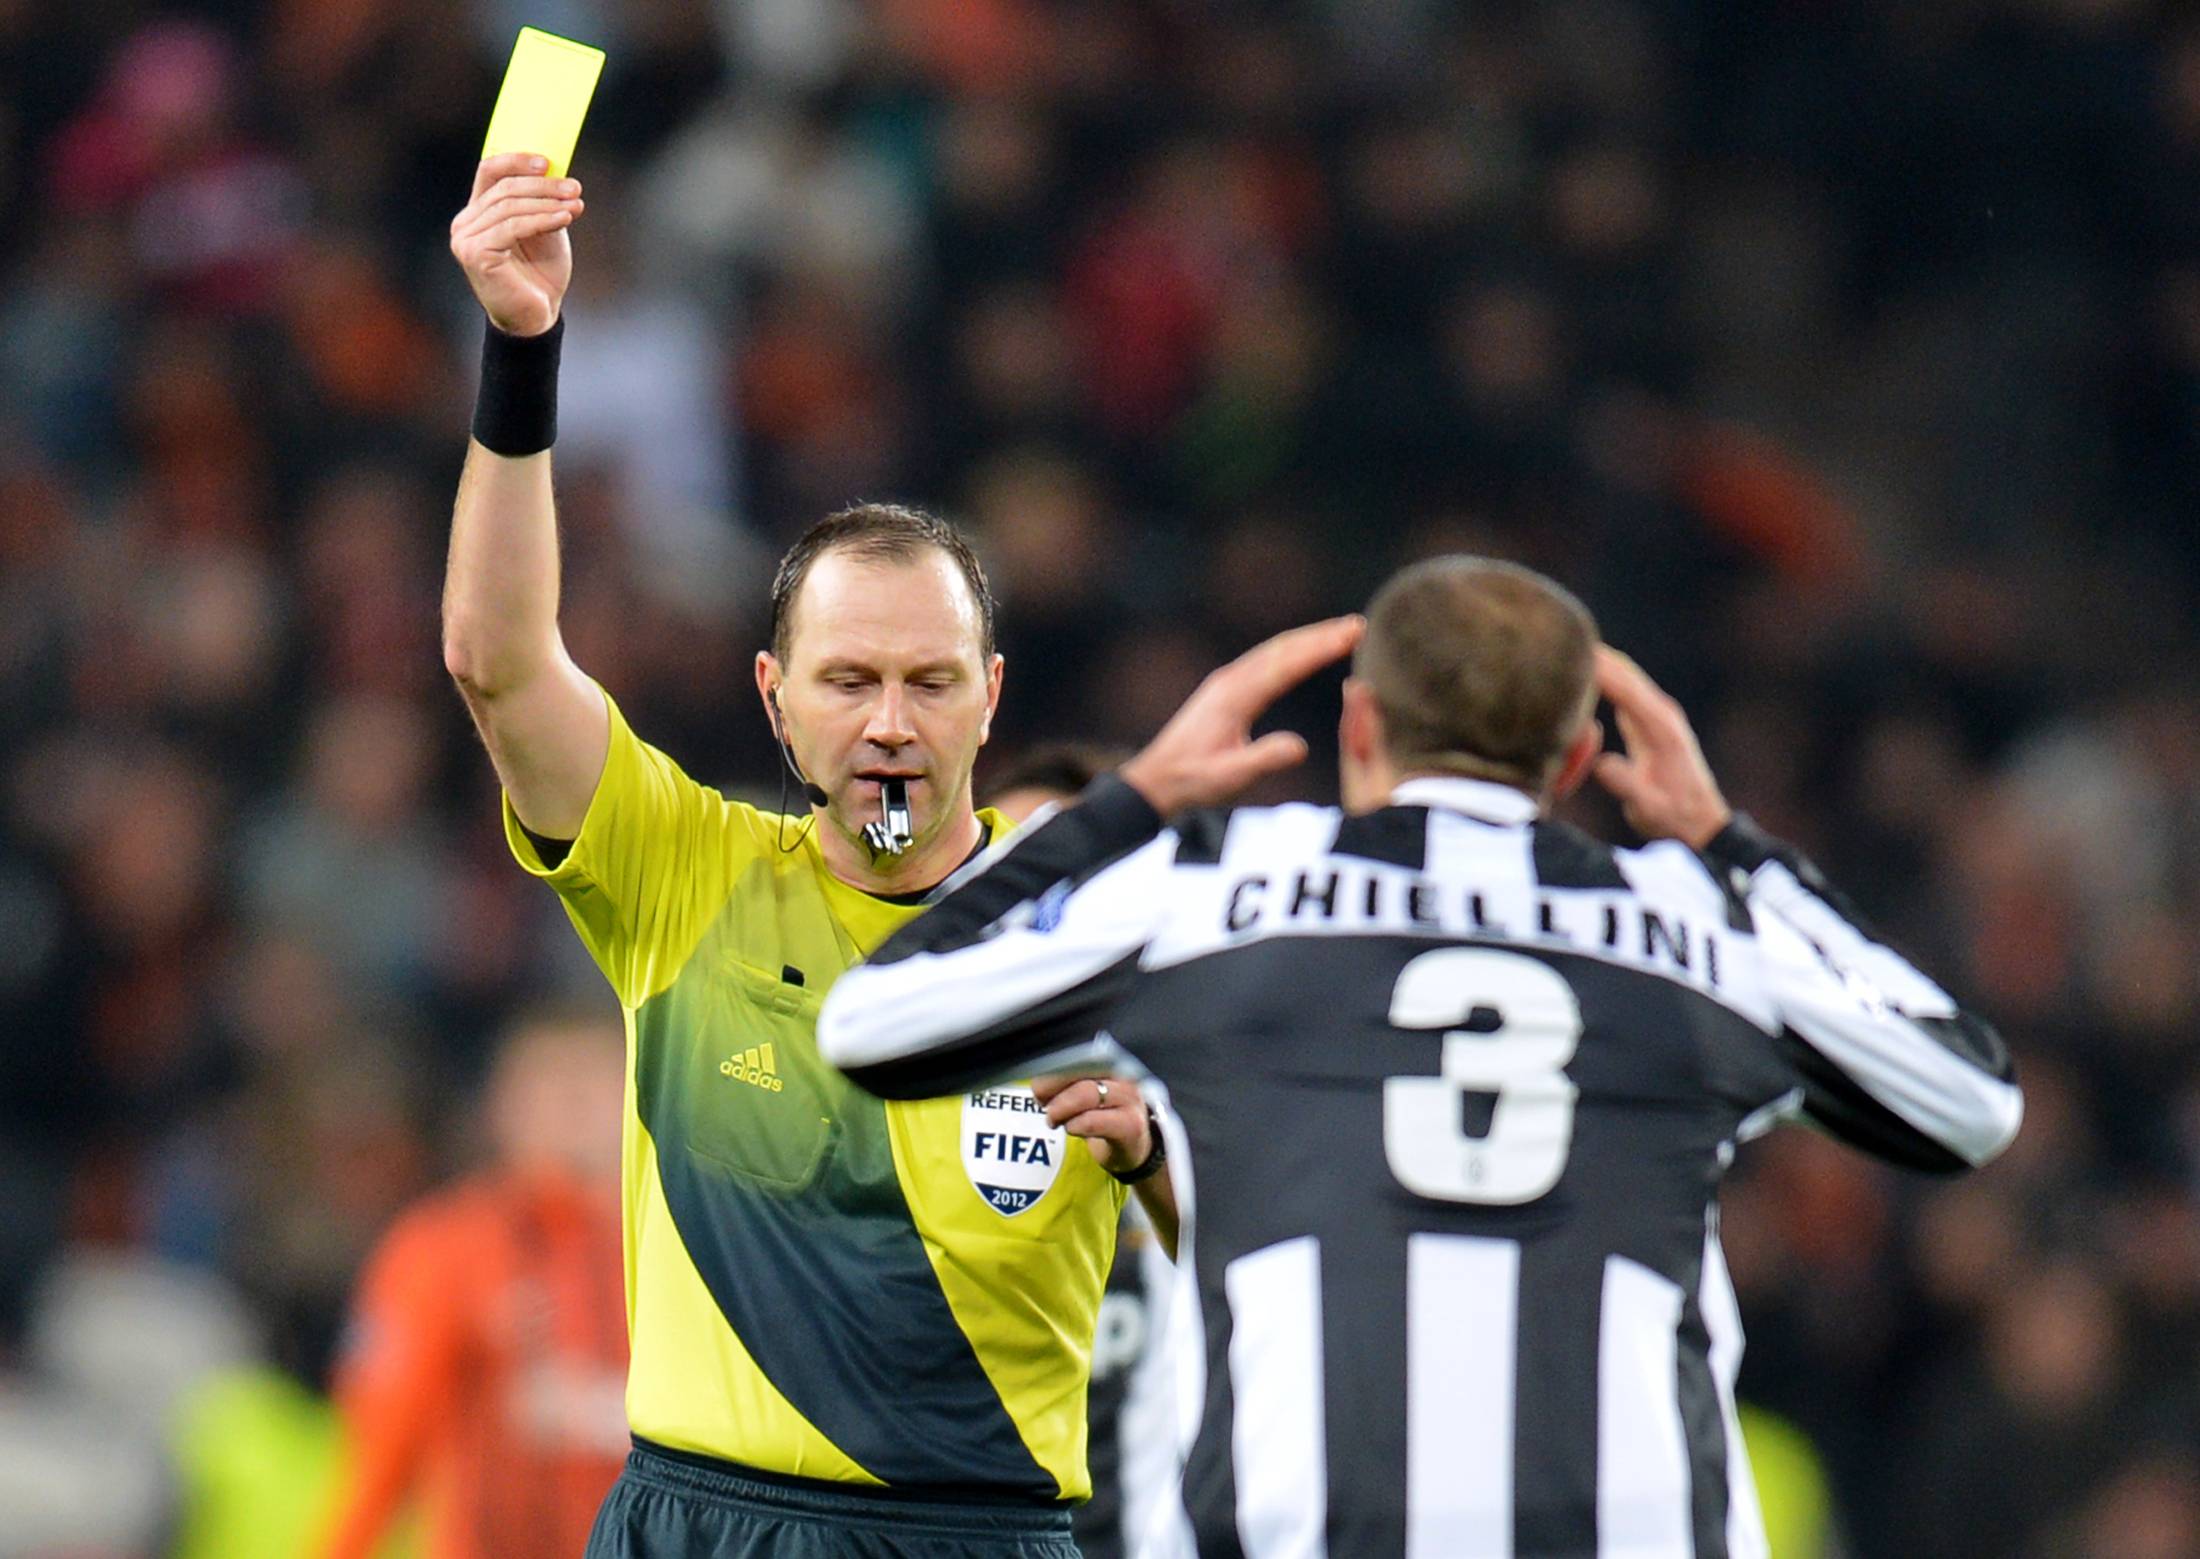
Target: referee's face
{"type": "Point", "coordinates": [886, 676]}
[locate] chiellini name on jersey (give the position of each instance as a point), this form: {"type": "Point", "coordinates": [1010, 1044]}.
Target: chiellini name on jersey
{"type": "Point", "coordinates": [1371, 898]}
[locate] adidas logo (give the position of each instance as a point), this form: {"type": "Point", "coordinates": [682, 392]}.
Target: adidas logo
{"type": "Point", "coordinates": [754, 1065]}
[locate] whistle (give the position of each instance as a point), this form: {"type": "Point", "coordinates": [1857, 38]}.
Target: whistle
{"type": "Point", "coordinates": [891, 834]}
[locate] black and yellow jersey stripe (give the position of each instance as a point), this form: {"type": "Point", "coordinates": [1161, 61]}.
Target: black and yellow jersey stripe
{"type": "Point", "coordinates": [816, 1283]}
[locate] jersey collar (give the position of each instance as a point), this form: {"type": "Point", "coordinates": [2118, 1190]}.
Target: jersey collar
{"type": "Point", "coordinates": [1483, 800]}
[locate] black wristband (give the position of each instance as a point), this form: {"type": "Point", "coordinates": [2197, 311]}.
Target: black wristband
{"type": "Point", "coordinates": [516, 411]}
{"type": "Point", "coordinates": [1154, 1160]}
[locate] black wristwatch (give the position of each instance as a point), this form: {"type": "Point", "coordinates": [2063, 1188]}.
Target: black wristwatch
{"type": "Point", "coordinates": [1155, 1160]}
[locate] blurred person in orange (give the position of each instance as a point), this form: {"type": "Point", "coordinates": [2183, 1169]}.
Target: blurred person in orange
{"type": "Point", "coordinates": [486, 1360]}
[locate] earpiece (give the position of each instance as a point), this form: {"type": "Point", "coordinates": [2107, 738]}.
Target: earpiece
{"type": "Point", "coordinates": [814, 794]}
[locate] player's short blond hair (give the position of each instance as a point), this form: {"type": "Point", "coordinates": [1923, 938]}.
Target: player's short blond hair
{"type": "Point", "coordinates": [1480, 668]}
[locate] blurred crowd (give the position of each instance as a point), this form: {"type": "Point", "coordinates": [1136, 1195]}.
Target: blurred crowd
{"type": "Point", "coordinates": [1843, 354]}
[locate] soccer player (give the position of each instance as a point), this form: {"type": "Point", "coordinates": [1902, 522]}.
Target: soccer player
{"type": "Point", "coordinates": [857, 1329]}
{"type": "Point", "coordinates": [486, 1356]}
{"type": "Point", "coordinates": [1449, 1086]}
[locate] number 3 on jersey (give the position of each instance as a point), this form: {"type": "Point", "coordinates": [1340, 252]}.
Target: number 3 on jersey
{"type": "Point", "coordinates": [1518, 1057]}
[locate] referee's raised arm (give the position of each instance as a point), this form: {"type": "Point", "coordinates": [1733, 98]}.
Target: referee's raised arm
{"type": "Point", "coordinates": [544, 722]}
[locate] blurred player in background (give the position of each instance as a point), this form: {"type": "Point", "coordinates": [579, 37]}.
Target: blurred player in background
{"type": "Point", "coordinates": [1050, 774]}
{"type": "Point", "coordinates": [857, 1329]}
{"type": "Point", "coordinates": [1128, 1445]}
{"type": "Point", "coordinates": [486, 1359]}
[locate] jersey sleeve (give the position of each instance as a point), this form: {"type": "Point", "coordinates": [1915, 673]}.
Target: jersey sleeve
{"type": "Point", "coordinates": [656, 858]}
{"type": "Point", "coordinates": [1018, 965]}
{"type": "Point", "coordinates": [402, 1357]}
{"type": "Point", "coordinates": [1886, 1059]}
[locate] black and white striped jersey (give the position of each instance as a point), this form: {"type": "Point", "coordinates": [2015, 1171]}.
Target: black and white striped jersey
{"type": "Point", "coordinates": [1450, 1092]}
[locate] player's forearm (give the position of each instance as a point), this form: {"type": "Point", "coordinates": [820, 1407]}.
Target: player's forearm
{"type": "Point", "coordinates": [1890, 1061]}
{"type": "Point", "coordinates": [500, 593]}
{"type": "Point", "coordinates": [1017, 963]}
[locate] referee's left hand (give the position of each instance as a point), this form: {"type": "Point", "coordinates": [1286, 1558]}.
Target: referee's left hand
{"type": "Point", "coordinates": [1106, 1111]}
{"type": "Point", "coordinates": [1206, 753]}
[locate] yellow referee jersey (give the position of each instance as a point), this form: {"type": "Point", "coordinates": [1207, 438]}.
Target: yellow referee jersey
{"type": "Point", "coordinates": [817, 1282]}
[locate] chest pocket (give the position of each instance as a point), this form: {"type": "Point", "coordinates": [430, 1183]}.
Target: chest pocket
{"type": "Point", "coordinates": [766, 1108]}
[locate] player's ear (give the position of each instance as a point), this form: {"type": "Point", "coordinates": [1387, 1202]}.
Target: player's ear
{"type": "Point", "coordinates": [1581, 756]}
{"type": "Point", "coordinates": [1360, 723]}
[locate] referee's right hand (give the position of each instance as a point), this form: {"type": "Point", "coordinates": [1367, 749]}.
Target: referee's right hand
{"type": "Point", "coordinates": [511, 241]}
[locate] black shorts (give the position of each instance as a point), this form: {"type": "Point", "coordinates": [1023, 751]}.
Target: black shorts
{"type": "Point", "coordinates": [670, 1506]}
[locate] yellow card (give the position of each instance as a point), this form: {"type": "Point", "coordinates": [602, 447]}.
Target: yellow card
{"type": "Point", "coordinates": [544, 98]}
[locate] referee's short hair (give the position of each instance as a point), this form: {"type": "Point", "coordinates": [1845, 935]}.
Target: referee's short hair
{"type": "Point", "coordinates": [1480, 668]}
{"type": "Point", "coordinates": [877, 532]}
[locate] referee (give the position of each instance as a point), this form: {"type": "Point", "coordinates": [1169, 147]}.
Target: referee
{"type": "Point", "coordinates": [858, 1331]}
{"type": "Point", "coordinates": [1454, 1084]}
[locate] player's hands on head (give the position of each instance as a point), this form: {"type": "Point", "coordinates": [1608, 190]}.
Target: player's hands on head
{"type": "Point", "coordinates": [1207, 752]}
{"type": "Point", "coordinates": [511, 241]}
{"type": "Point", "coordinates": [1662, 783]}
{"type": "Point", "coordinates": [1106, 1111]}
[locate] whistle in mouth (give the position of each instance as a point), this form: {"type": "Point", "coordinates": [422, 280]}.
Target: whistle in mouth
{"type": "Point", "coordinates": [891, 834]}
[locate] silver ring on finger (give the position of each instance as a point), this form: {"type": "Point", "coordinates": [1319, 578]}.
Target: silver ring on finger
{"type": "Point", "coordinates": [1103, 1091]}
